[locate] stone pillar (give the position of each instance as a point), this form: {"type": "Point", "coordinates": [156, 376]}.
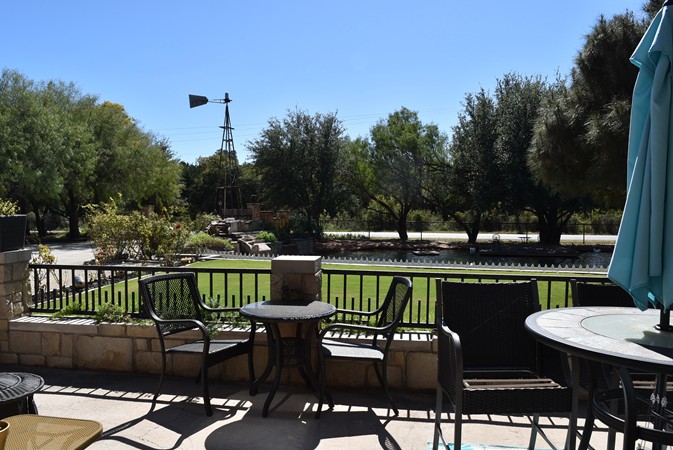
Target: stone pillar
{"type": "Point", "coordinates": [296, 278]}
{"type": "Point", "coordinates": [14, 290]}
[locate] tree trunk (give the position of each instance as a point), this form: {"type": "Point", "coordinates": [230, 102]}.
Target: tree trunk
{"type": "Point", "coordinates": [73, 218]}
{"type": "Point", "coordinates": [401, 226]}
{"type": "Point", "coordinates": [40, 223]}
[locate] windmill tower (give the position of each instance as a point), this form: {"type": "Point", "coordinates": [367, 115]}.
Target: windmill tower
{"type": "Point", "coordinates": [227, 192]}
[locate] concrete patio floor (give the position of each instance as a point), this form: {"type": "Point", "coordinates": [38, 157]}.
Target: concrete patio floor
{"type": "Point", "coordinates": [360, 419]}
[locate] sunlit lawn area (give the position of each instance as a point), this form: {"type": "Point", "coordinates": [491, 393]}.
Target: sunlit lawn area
{"type": "Point", "coordinates": [344, 292]}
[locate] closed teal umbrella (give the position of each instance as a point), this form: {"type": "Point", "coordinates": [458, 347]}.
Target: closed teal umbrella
{"type": "Point", "coordinates": [642, 261]}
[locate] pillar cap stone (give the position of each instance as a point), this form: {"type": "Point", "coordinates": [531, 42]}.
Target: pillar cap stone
{"type": "Point", "coordinates": [298, 264]}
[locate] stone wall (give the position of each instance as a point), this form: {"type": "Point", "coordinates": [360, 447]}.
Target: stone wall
{"type": "Point", "coordinates": [14, 290]}
{"type": "Point", "coordinates": [82, 344]}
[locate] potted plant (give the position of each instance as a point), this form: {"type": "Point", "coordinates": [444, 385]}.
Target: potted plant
{"type": "Point", "coordinates": [12, 226]}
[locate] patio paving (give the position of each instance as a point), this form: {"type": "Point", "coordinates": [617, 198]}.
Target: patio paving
{"type": "Point", "coordinates": [360, 420]}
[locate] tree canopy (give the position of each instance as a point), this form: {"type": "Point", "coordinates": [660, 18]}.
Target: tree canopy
{"type": "Point", "coordinates": [64, 150]}
{"type": "Point", "coordinates": [299, 162]}
{"type": "Point", "coordinates": [392, 169]}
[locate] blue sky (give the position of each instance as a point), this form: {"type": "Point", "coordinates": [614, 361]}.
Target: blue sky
{"type": "Point", "coordinates": [362, 59]}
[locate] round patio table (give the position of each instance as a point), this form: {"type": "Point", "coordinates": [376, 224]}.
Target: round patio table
{"type": "Point", "coordinates": [16, 393]}
{"type": "Point", "coordinates": [621, 337]}
{"type": "Point", "coordinates": [288, 351]}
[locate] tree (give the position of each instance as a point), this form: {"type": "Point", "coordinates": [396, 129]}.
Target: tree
{"type": "Point", "coordinates": [518, 104]}
{"type": "Point", "coordinates": [581, 138]}
{"type": "Point", "coordinates": [392, 169]}
{"type": "Point", "coordinates": [63, 150]}
{"type": "Point", "coordinates": [299, 161]}
{"type": "Point", "coordinates": [472, 177]}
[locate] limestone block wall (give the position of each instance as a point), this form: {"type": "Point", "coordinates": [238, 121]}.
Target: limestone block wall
{"type": "Point", "coordinates": [82, 344]}
{"type": "Point", "coordinates": [297, 277]}
{"type": "Point", "coordinates": [14, 290]}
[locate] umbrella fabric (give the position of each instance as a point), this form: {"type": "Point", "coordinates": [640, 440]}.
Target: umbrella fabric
{"type": "Point", "coordinates": [642, 261]}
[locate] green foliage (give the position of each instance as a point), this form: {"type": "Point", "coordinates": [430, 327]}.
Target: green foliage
{"type": "Point", "coordinates": [266, 236]}
{"type": "Point", "coordinates": [62, 149]}
{"type": "Point", "coordinates": [8, 207]}
{"type": "Point", "coordinates": [392, 170]}
{"type": "Point", "coordinates": [581, 136]}
{"type": "Point", "coordinates": [44, 256]}
{"type": "Point", "coordinates": [69, 310]}
{"type": "Point", "coordinates": [201, 241]}
{"type": "Point", "coordinates": [202, 221]}
{"type": "Point", "coordinates": [108, 312]}
{"type": "Point", "coordinates": [299, 162]}
{"type": "Point", "coordinates": [134, 235]}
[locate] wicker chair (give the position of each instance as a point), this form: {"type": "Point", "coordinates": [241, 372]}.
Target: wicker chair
{"type": "Point", "coordinates": [388, 316]}
{"type": "Point", "coordinates": [487, 361]}
{"type": "Point", "coordinates": [609, 294]}
{"type": "Point", "coordinates": [174, 303]}
{"type": "Point", "coordinates": [599, 294]}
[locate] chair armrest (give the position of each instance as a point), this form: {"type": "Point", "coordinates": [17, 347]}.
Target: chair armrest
{"type": "Point", "coordinates": [453, 352]}
{"type": "Point", "coordinates": [349, 327]}
{"type": "Point", "coordinates": [193, 322]}
{"type": "Point", "coordinates": [355, 312]}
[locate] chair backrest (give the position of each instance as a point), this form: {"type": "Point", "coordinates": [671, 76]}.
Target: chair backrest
{"type": "Point", "coordinates": [597, 294]}
{"type": "Point", "coordinates": [169, 297]}
{"type": "Point", "coordinates": [395, 302]}
{"type": "Point", "coordinates": [490, 320]}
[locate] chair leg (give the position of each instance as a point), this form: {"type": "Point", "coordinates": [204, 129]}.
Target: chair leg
{"type": "Point", "coordinates": [382, 375]}
{"type": "Point", "coordinates": [458, 422]}
{"type": "Point", "coordinates": [535, 423]}
{"type": "Point", "coordinates": [438, 418]}
{"type": "Point", "coordinates": [204, 381]}
{"type": "Point", "coordinates": [161, 380]}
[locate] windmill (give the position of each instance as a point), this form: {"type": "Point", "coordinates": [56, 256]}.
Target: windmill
{"type": "Point", "coordinates": [228, 192]}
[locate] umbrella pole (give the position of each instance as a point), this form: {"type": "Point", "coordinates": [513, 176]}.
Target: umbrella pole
{"type": "Point", "coordinates": [664, 319]}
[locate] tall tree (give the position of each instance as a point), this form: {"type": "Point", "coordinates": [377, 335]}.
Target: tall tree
{"type": "Point", "coordinates": [581, 139]}
{"type": "Point", "coordinates": [518, 104]}
{"type": "Point", "coordinates": [63, 150]}
{"type": "Point", "coordinates": [392, 169]}
{"type": "Point", "coordinates": [473, 177]}
{"type": "Point", "coordinates": [299, 160]}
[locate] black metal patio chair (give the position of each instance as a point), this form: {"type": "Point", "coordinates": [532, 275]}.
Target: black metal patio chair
{"type": "Point", "coordinates": [367, 346]}
{"type": "Point", "coordinates": [174, 303]}
{"type": "Point", "coordinates": [488, 363]}
{"type": "Point", "coordinates": [599, 294]}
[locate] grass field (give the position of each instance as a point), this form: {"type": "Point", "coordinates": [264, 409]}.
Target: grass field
{"type": "Point", "coordinates": [353, 292]}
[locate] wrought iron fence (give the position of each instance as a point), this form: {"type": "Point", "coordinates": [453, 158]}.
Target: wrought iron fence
{"type": "Point", "coordinates": [609, 226]}
{"type": "Point", "coordinates": [87, 290]}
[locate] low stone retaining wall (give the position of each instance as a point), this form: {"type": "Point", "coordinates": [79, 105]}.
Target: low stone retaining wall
{"type": "Point", "coordinates": [83, 344]}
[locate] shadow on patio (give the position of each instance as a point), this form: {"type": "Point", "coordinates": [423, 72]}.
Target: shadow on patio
{"type": "Point", "coordinates": [360, 419]}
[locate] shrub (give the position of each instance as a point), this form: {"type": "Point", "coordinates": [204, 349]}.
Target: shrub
{"type": "Point", "coordinates": [8, 207]}
{"type": "Point", "coordinates": [202, 221]}
{"type": "Point", "coordinates": [201, 241]}
{"type": "Point", "coordinates": [118, 235]}
{"type": "Point", "coordinates": [266, 236]}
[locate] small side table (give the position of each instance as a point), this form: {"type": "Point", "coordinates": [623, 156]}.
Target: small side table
{"type": "Point", "coordinates": [16, 393]}
{"type": "Point", "coordinates": [33, 431]}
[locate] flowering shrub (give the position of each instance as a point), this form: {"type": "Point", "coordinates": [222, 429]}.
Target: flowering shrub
{"type": "Point", "coordinates": [134, 235]}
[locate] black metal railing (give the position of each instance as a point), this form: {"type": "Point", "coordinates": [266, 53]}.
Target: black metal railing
{"type": "Point", "coordinates": [86, 290]}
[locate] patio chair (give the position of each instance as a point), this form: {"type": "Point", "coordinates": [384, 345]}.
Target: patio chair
{"type": "Point", "coordinates": [599, 294]}
{"type": "Point", "coordinates": [608, 294]}
{"type": "Point", "coordinates": [488, 363]}
{"type": "Point", "coordinates": [366, 346]}
{"type": "Point", "coordinates": [174, 303]}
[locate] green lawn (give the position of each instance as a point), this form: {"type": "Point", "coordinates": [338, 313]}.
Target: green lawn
{"type": "Point", "coordinates": [353, 292]}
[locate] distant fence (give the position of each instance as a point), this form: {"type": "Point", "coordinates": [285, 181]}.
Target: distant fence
{"type": "Point", "coordinates": [603, 227]}
{"type": "Point", "coordinates": [86, 289]}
